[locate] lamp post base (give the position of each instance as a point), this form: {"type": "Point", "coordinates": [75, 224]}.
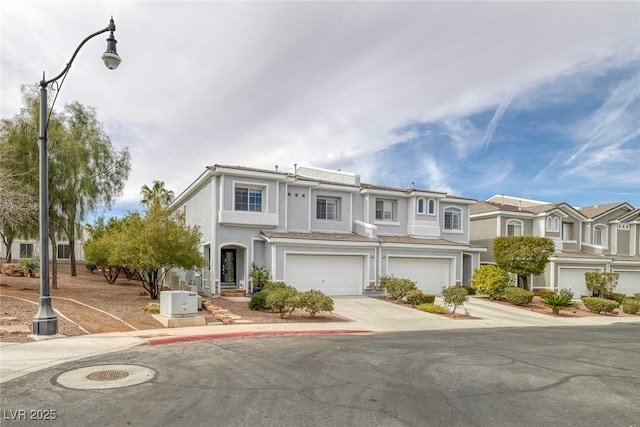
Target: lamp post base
{"type": "Point", "coordinates": [45, 322]}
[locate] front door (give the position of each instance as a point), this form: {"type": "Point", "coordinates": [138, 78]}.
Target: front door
{"type": "Point", "coordinates": [228, 267]}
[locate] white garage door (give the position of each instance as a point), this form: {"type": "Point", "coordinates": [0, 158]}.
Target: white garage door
{"type": "Point", "coordinates": [331, 274]}
{"type": "Point", "coordinates": [573, 278]}
{"type": "Point", "coordinates": [628, 282]}
{"type": "Point", "coordinates": [430, 274]}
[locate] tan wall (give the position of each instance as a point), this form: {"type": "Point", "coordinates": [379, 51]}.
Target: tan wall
{"type": "Point", "coordinates": [623, 242]}
{"type": "Point", "coordinates": [484, 228]}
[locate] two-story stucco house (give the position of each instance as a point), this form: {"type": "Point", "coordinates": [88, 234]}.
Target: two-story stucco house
{"type": "Point", "coordinates": [594, 238]}
{"type": "Point", "coordinates": [321, 229]}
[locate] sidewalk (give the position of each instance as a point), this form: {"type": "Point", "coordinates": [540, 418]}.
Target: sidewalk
{"type": "Point", "coordinates": [368, 315]}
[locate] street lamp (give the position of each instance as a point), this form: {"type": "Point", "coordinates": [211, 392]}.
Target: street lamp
{"type": "Point", "coordinates": [46, 322]}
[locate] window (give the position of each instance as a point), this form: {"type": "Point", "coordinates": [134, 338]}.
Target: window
{"type": "Point", "coordinates": [248, 199]}
{"type": "Point", "coordinates": [63, 251]}
{"type": "Point", "coordinates": [431, 208]}
{"type": "Point", "coordinates": [553, 224]}
{"type": "Point", "coordinates": [599, 235]}
{"type": "Point", "coordinates": [327, 208]}
{"type": "Point", "coordinates": [566, 231]}
{"type": "Point", "coordinates": [514, 227]}
{"type": "Point", "coordinates": [421, 206]}
{"type": "Point", "coordinates": [26, 250]}
{"type": "Point", "coordinates": [385, 210]}
{"type": "Point", "coordinates": [452, 219]}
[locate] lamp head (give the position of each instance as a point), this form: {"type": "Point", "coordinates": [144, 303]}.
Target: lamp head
{"type": "Point", "coordinates": [110, 57]}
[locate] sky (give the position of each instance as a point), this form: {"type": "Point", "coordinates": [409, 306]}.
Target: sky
{"type": "Point", "coordinates": [539, 100]}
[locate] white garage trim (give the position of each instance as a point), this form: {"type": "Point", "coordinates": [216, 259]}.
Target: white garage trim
{"type": "Point", "coordinates": [430, 273]}
{"type": "Point", "coordinates": [332, 273]}
{"type": "Point", "coordinates": [574, 275]}
{"type": "Point", "coordinates": [628, 281]}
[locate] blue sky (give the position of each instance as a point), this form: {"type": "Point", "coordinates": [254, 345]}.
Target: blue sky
{"type": "Point", "coordinates": [533, 99]}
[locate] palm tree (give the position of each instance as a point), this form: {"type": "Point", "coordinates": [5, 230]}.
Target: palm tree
{"type": "Point", "coordinates": [157, 193]}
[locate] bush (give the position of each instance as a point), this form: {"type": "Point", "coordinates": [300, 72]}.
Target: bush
{"type": "Point", "coordinates": [91, 266]}
{"type": "Point", "coordinates": [432, 308]}
{"type": "Point", "coordinates": [470, 290]}
{"type": "Point", "coordinates": [619, 298]}
{"type": "Point", "coordinates": [258, 301]}
{"type": "Point", "coordinates": [30, 266]}
{"type": "Point", "coordinates": [314, 301]}
{"type": "Point", "coordinates": [283, 300]}
{"type": "Point", "coordinates": [416, 297]}
{"type": "Point", "coordinates": [601, 283]}
{"type": "Point", "coordinates": [455, 296]}
{"type": "Point", "coordinates": [490, 280]}
{"type": "Point", "coordinates": [397, 287]}
{"type": "Point", "coordinates": [636, 296]}
{"type": "Point", "coordinates": [518, 296]}
{"type": "Point", "coordinates": [542, 292]}
{"type": "Point", "coordinates": [559, 301]}
{"type": "Point", "coordinates": [270, 286]}
{"type": "Point", "coordinates": [631, 306]}
{"type": "Point", "coordinates": [259, 276]}
{"type": "Point", "coordinates": [600, 305]}
{"type": "Point", "coordinates": [152, 307]}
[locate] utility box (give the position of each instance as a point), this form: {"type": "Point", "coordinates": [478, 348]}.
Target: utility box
{"type": "Point", "coordinates": [178, 304]}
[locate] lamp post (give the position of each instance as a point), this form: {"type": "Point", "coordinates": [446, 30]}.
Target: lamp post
{"type": "Point", "coordinates": [45, 321]}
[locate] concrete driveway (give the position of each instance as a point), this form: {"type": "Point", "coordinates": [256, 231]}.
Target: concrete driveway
{"type": "Point", "coordinates": [381, 316]}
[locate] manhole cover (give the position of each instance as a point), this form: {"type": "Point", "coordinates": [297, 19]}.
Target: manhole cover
{"type": "Point", "coordinates": [105, 377]}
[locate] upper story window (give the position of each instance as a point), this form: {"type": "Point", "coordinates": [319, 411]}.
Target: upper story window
{"type": "Point", "coordinates": [327, 208]}
{"type": "Point", "coordinates": [385, 210]}
{"type": "Point", "coordinates": [452, 219]}
{"type": "Point", "coordinates": [600, 235]}
{"type": "Point", "coordinates": [514, 227]}
{"type": "Point", "coordinates": [553, 224]}
{"type": "Point", "coordinates": [26, 250]}
{"type": "Point", "coordinates": [421, 206]}
{"type": "Point", "coordinates": [431, 207]}
{"type": "Point", "coordinates": [63, 251]}
{"type": "Point", "coordinates": [248, 199]}
{"type": "Point", "coordinates": [566, 230]}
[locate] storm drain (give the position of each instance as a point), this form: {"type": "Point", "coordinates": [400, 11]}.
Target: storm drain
{"type": "Point", "coordinates": [105, 377]}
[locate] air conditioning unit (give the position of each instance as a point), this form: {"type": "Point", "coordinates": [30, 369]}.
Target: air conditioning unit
{"type": "Point", "coordinates": [178, 304]}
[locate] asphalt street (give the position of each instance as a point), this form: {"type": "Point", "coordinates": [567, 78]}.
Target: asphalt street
{"type": "Point", "coordinates": [561, 376]}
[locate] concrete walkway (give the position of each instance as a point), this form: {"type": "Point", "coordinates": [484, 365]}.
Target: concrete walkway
{"type": "Point", "coordinates": [368, 315]}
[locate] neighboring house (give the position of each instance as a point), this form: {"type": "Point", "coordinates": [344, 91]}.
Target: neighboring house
{"type": "Point", "coordinates": [27, 248]}
{"type": "Point", "coordinates": [322, 229]}
{"type": "Point", "coordinates": [594, 238]}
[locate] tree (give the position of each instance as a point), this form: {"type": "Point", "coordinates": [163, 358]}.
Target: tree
{"type": "Point", "coordinates": [98, 249]}
{"type": "Point", "coordinates": [157, 193]}
{"type": "Point", "coordinates": [490, 280]}
{"type": "Point", "coordinates": [455, 296]}
{"type": "Point", "coordinates": [154, 243]}
{"type": "Point", "coordinates": [85, 172]}
{"type": "Point", "coordinates": [523, 255]}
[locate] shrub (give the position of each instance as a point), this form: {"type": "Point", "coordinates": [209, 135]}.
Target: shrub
{"type": "Point", "coordinates": [542, 292]}
{"type": "Point", "coordinates": [600, 305]}
{"type": "Point", "coordinates": [560, 301]}
{"type": "Point", "coordinates": [30, 266]}
{"type": "Point", "coordinates": [258, 301]}
{"type": "Point", "coordinates": [259, 276]}
{"type": "Point", "coordinates": [432, 308]}
{"type": "Point", "coordinates": [416, 297]}
{"type": "Point", "coordinates": [619, 298]}
{"type": "Point", "coordinates": [636, 296]}
{"type": "Point", "coordinates": [490, 280]}
{"type": "Point", "coordinates": [270, 286]}
{"type": "Point", "coordinates": [397, 287]}
{"type": "Point", "coordinates": [152, 307]}
{"type": "Point", "coordinates": [314, 301]}
{"type": "Point", "coordinates": [601, 283]}
{"type": "Point", "coordinates": [470, 290]}
{"type": "Point", "coordinates": [631, 306]}
{"type": "Point", "coordinates": [91, 266]}
{"type": "Point", "coordinates": [283, 300]}
{"type": "Point", "coordinates": [518, 296]}
{"type": "Point", "coordinates": [455, 296]}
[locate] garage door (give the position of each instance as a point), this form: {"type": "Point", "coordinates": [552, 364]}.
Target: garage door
{"type": "Point", "coordinates": [628, 282]}
{"type": "Point", "coordinates": [331, 274]}
{"type": "Point", "coordinates": [573, 278]}
{"type": "Point", "coordinates": [430, 274]}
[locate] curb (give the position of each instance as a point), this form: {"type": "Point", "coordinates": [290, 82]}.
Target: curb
{"type": "Point", "coordinates": [189, 338]}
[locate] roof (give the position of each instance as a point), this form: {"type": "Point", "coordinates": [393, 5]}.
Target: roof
{"type": "Point", "coordinates": [597, 210]}
{"type": "Point", "coordinates": [483, 207]}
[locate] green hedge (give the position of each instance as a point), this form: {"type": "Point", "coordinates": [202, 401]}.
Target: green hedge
{"type": "Point", "coordinates": [416, 297]}
{"type": "Point", "coordinates": [518, 296]}
{"type": "Point", "coordinates": [432, 308]}
{"type": "Point", "coordinates": [631, 305]}
{"type": "Point", "coordinates": [600, 305]}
